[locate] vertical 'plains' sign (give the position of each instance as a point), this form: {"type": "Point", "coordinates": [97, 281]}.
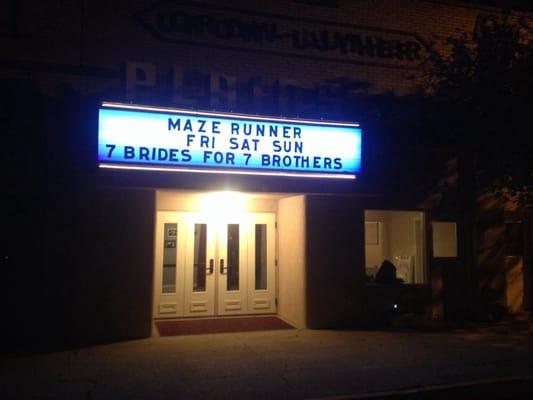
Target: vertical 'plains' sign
{"type": "Point", "coordinates": [164, 139]}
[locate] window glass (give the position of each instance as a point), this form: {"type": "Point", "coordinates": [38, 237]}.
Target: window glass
{"type": "Point", "coordinates": [395, 247]}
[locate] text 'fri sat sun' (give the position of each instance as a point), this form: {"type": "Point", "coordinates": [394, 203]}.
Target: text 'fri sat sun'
{"type": "Point", "coordinates": [205, 142]}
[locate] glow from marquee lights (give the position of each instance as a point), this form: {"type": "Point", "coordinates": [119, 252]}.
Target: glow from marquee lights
{"type": "Point", "coordinates": [135, 137]}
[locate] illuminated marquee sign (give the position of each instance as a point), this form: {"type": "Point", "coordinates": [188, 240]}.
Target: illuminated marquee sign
{"type": "Point", "coordinates": [165, 139]}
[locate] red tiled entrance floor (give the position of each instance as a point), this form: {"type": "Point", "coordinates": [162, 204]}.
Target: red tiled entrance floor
{"type": "Point", "coordinates": [219, 325]}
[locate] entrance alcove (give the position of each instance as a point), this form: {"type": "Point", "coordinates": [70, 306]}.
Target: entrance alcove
{"type": "Point", "coordinates": [227, 254]}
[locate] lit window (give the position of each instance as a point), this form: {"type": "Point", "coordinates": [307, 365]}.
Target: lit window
{"type": "Point", "coordinates": [395, 250]}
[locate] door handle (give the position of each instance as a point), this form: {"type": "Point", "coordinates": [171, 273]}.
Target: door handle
{"type": "Point", "coordinates": [222, 269]}
{"type": "Point", "coordinates": [211, 268]}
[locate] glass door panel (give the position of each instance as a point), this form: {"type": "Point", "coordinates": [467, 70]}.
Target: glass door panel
{"type": "Point", "coordinates": [200, 257]}
{"type": "Point", "coordinates": [169, 258]}
{"type": "Point", "coordinates": [199, 266]}
{"type": "Point", "coordinates": [260, 256]}
{"type": "Point", "coordinates": [262, 276]}
{"type": "Point", "coordinates": [233, 262]}
{"type": "Point", "coordinates": [232, 282]}
{"type": "Point", "coordinates": [169, 254]}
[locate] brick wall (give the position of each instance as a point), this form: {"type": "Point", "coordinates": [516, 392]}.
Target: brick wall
{"type": "Point", "coordinates": [86, 44]}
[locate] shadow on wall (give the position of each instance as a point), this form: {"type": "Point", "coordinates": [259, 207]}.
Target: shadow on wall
{"type": "Point", "coordinates": [490, 257]}
{"type": "Point", "coordinates": [514, 272]}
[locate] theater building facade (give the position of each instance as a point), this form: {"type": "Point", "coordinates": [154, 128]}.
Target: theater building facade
{"type": "Point", "coordinates": [176, 160]}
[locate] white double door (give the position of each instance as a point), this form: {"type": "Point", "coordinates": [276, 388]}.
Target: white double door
{"type": "Point", "coordinates": [214, 265]}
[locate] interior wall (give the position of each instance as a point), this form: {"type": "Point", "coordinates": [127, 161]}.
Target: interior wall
{"type": "Point", "coordinates": [421, 272]}
{"type": "Point", "coordinates": [376, 253]}
{"type": "Point", "coordinates": [292, 260]}
{"type": "Point", "coordinates": [402, 234]}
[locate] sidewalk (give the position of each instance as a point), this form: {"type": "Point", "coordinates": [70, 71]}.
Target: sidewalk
{"type": "Point", "coordinates": [286, 364]}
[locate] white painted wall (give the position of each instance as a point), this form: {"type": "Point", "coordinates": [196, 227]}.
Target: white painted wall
{"type": "Point", "coordinates": [168, 200]}
{"type": "Point", "coordinates": [291, 260]}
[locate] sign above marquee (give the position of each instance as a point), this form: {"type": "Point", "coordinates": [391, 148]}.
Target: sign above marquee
{"type": "Point", "coordinates": [245, 30]}
{"type": "Point", "coordinates": [167, 139]}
